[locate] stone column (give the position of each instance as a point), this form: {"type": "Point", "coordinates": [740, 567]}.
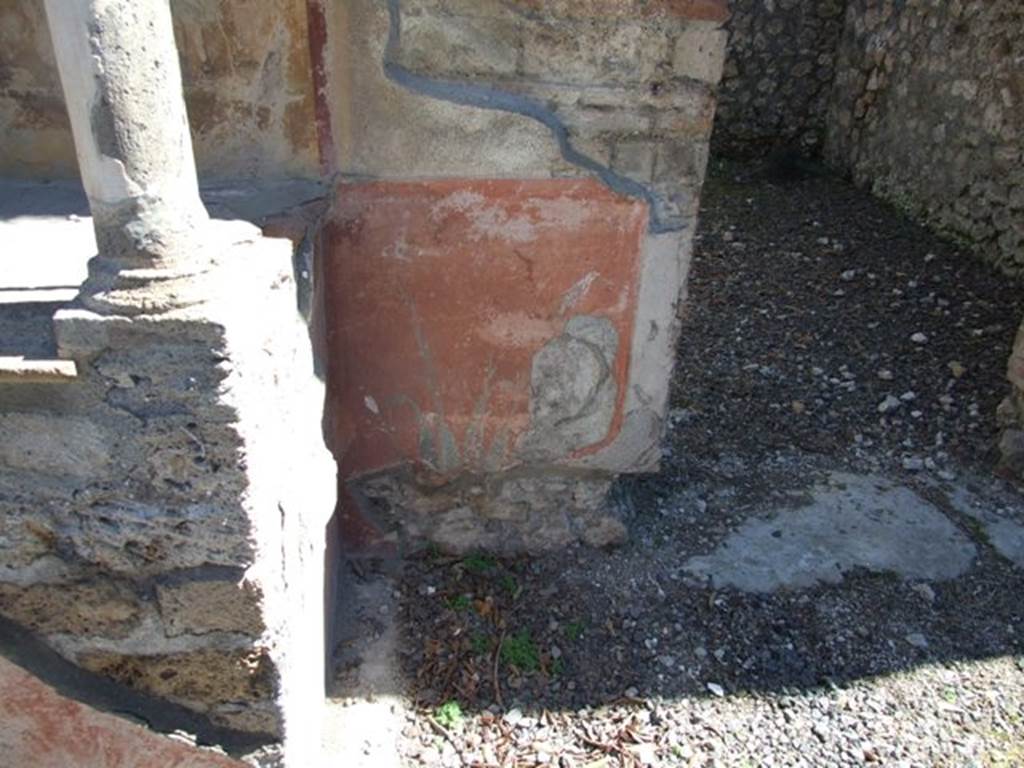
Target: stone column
{"type": "Point", "coordinates": [122, 85]}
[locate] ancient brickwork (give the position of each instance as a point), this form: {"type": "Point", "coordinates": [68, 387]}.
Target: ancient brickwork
{"type": "Point", "coordinates": [247, 80]}
{"type": "Point", "coordinates": [928, 111]}
{"type": "Point", "coordinates": [778, 75]}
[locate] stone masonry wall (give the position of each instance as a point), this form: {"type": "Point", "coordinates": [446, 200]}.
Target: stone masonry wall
{"type": "Point", "coordinates": [621, 89]}
{"type": "Point", "coordinates": [248, 86]}
{"type": "Point", "coordinates": [928, 112]}
{"type": "Point", "coordinates": [163, 515]}
{"type": "Point", "coordinates": [778, 75]}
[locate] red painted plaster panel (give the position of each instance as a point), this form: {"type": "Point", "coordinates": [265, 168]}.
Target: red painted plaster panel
{"type": "Point", "coordinates": [39, 728]}
{"type": "Point", "coordinates": [439, 294]}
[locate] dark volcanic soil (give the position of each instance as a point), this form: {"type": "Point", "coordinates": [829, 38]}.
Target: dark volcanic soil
{"type": "Point", "coordinates": [810, 303]}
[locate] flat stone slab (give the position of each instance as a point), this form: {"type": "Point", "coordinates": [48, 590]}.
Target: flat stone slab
{"type": "Point", "coordinates": [1003, 528]}
{"type": "Point", "coordinates": [852, 521]}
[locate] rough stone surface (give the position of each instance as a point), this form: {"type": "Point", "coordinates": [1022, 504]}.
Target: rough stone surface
{"type": "Point", "coordinates": [247, 83]}
{"type": "Point", "coordinates": [236, 688]}
{"type": "Point", "coordinates": [54, 445]}
{"type": "Point", "coordinates": [506, 513]}
{"type": "Point", "coordinates": [100, 609]}
{"type": "Point", "coordinates": [851, 522]}
{"type": "Point", "coordinates": [928, 112]}
{"type": "Point", "coordinates": [192, 409]}
{"type": "Point", "coordinates": [778, 75]}
{"type": "Point", "coordinates": [41, 728]}
{"type": "Point", "coordinates": [213, 605]}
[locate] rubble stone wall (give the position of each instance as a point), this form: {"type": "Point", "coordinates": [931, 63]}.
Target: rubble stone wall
{"type": "Point", "coordinates": [248, 86]}
{"type": "Point", "coordinates": [778, 75]}
{"type": "Point", "coordinates": [928, 112]}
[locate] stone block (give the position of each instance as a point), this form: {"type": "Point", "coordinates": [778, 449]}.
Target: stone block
{"type": "Point", "coordinates": [684, 161]}
{"type": "Point", "coordinates": [199, 607]}
{"type": "Point", "coordinates": [447, 46]}
{"type": "Point", "coordinates": [148, 538]}
{"type": "Point", "coordinates": [700, 53]}
{"type": "Point", "coordinates": [93, 609]}
{"type": "Point", "coordinates": [693, 121]}
{"type": "Point", "coordinates": [592, 53]}
{"type": "Point", "coordinates": [635, 159]}
{"type": "Point", "coordinates": [604, 120]}
{"type": "Point", "coordinates": [57, 445]}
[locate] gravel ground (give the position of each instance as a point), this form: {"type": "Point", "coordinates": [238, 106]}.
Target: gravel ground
{"type": "Point", "coordinates": [822, 332]}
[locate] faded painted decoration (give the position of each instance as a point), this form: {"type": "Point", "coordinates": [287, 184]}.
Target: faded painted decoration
{"type": "Point", "coordinates": [477, 328]}
{"type": "Point", "coordinates": [502, 298]}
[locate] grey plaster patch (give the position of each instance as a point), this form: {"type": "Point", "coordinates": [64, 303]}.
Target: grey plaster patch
{"type": "Point", "coordinates": [1003, 531]}
{"type": "Point", "coordinates": [851, 521]}
{"type": "Point", "coordinates": [1007, 537]}
{"type": "Point", "coordinates": [572, 392]}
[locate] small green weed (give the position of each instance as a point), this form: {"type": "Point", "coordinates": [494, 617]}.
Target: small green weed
{"type": "Point", "coordinates": [481, 644]}
{"type": "Point", "coordinates": [449, 714]}
{"type": "Point", "coordinates": [557, 666]}
{"type": "Point", "coordinates": [460, 603]}
{"type": "Point", "coordinates": [574, 630]}
{"type": "Point", "coordinates": [508, 581]}
{"type": "Point", "coordinates": [519, 651]}
{"type": "Point", "coordinates": [479, 563]}
{"type": "Point", "coordinates": [977, 530]}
